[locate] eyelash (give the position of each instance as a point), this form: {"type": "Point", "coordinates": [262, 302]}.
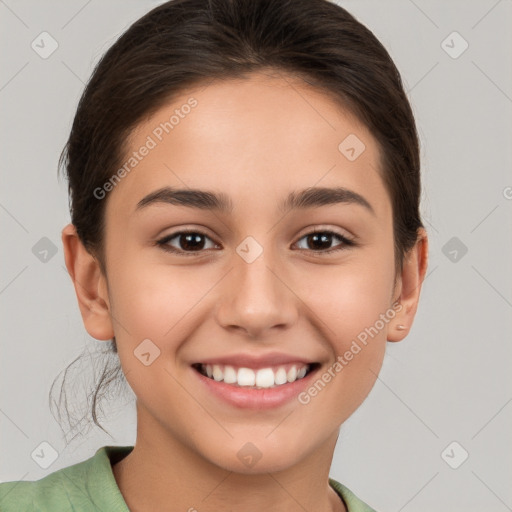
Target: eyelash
{"type": "Point", "coordinates": [163, 242]}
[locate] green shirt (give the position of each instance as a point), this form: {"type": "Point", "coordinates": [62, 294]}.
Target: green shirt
{"type": "Point", "coordinates": [90, 486]}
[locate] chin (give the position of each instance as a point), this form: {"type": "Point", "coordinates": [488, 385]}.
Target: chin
{"type": "Point", "coordinates": [258, 457]}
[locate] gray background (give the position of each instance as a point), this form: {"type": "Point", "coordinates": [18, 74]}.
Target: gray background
{"type": "Point", "coordinates": [449, 380]}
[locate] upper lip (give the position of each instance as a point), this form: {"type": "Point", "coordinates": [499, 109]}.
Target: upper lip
{"type": "Point", "coordinates": [256, 362]}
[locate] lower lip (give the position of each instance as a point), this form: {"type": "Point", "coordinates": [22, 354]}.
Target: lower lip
{"type": "Point", "coordinates": [256, 399]}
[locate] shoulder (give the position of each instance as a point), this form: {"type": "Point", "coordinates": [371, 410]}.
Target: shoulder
{"type": "Point", "coordinates": [352, 502]}
{"type": "Point", "coordinates": [49, 493]}
{"type": "Point", "coordinates": [75, 487]}
{"type": "Point", "coordinates": [61, 488]}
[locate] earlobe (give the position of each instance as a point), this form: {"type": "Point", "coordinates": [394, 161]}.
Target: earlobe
{"type": "Point", "coordinates": [90, 285]}
{"type": "Point", "coordinates": [413, 274]}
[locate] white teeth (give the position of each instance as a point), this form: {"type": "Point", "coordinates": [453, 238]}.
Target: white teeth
{"type": "Point", "coordinates": [246, 377]}
{"type": "Point", "coordinates": [262, 378]}
{"type": "Point", "coordinates": [217, 372]}
{"type": "Point", "coordinates": [229, 375]}
{"type": "Point", "coordinates": [292, 374]}
{"type": "Point", "coordinates": [280, 377]}
{"type": "Point", "coordinates": [265, 378]}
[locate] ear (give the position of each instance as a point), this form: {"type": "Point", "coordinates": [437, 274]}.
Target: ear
{"type": "Point", "coordinates": [409, 287]}
{"type": "Point", "coordinates": [90, 285]}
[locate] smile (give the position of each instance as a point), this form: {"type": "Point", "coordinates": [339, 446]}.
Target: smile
{"type": "Point", "coordinates": [262, 378]}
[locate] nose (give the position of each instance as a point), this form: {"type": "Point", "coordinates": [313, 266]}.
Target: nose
{"type": "Point", "coordinates": [256, 298]}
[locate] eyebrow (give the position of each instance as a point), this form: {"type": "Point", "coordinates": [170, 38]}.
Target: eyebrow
{"type": "Point", "coordinates": [205, 200]}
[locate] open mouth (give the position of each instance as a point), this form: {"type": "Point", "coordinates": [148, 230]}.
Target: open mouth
{"type": "Point", "coordinates": [261, 378]}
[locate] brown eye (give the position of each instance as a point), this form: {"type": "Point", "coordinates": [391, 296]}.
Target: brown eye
{"type": "Point", "coordinates": [187, 242]}
{"type": "Point", "coordinates": [321, 241]}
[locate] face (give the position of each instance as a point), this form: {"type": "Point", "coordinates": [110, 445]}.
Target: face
{"type": "Point", "coordinates": [266, 283]}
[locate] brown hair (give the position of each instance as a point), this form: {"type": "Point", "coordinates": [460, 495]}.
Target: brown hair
{"type": "Point", "coordinates": [183, 43]}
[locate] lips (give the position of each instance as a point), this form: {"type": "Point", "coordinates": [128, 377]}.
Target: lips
{"type": "Point", "coordinates": [255, 386]}
{"type": "Point", "coordinates": [256, 382]}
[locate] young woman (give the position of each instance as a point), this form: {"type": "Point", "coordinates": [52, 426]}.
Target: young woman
{"type": "Point", "coordinates": [244, 179]}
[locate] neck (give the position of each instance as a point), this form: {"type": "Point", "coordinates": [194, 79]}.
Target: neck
{"type": "Point", "coordinates": [161, 473]}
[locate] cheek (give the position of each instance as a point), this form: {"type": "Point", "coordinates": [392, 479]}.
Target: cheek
{"type": "Point", "coordinates": [153, 299]}
{"type": "Point", "coordinates": [350, 298]}
{"type": "Point", "coordinates": [157, 303]}
{"type": "Point", "coordinates": [353, 305]}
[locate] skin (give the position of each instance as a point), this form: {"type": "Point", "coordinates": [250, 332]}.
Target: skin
{"type": "Point", "coordinates": [254, 139]}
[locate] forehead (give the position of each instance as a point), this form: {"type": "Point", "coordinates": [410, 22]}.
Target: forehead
{"type": "Point", "coordinates": [253, 139]}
